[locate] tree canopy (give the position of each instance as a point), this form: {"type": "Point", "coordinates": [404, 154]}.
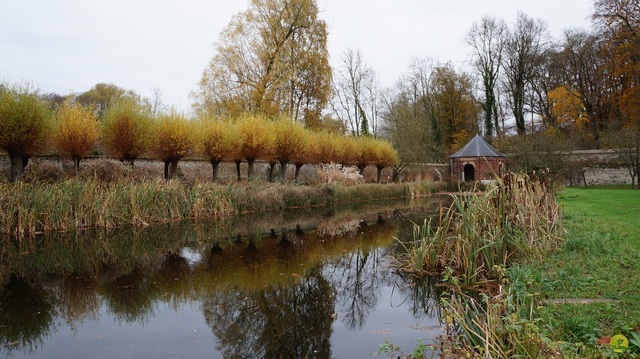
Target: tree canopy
{"type": "Point", "coordinates": [25, 120]}
{"type": "Point", "coordinates": [271, 59]}
{"type": "Point", "coordinates": [126, 130]}
{"type": "Point", "coordinates": [76, 131]}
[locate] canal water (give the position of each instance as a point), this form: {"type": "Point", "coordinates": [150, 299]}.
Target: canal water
{"type": "Point", "coordinates": [298, 284]}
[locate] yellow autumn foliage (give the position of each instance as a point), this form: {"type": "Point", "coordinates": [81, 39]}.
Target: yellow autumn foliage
{"type": "Point", "coordinates": [290, 139]}
{"type": "Point", "coordinates": [256, 138]}
{"type": "Point", "coordinates": [75, 131]}
{"type": "Point", "coordinates": [350, 150]}
{"type": "Point", "coordinates": [173, 137]}
{"type": "Point", "coordinates": [325, 148]}
{"type": "Point", "coordinates": [24, 124]}
{"type": "Point", "coordinates": [218, 140]}
{"type": "Point", "coordinates": [567, 108]}
{"type": "Point", "coordinates": [126, 130]}
{"type": "Point", "coordinates": [385, 155]}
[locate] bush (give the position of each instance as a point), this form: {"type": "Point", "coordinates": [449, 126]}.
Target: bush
{"type": "Point", "coordinates": [46, 171]}
{"type": "Point", "coordinates": [106, 171]}
{"type": "Point", "coordinates": [336, 173]}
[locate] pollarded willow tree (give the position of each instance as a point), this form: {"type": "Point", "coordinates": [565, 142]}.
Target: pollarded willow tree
{"type": "Point", "coordinates": [126, 130]}
{"type": "Point", "coordinates": [75, 131]}
{"type": "Point", "coordinates": [385, 156]}
{"type": "Point", "coordinates": [173, 139]}
{"type": "Point", "coordinates": [24, 122]}
{"type": "Point", "coordinates": [325, 148]}
{"type": "Point", "coordinates": [256, 139]}
{"type": "Point", "coordinates": [270, 59]}
{"type": "Point", "coordinates": [217, 141]}
{"type": "Point", "coordinates": [290, 140]}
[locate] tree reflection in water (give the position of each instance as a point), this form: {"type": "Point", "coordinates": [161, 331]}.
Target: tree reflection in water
{"type": "Point", "coordinates": [268, 295]}
{"type": "Point", "coordinates": [357, 284]}
{"type": "Point", "coordinates": [276, 322]}
{"type": "Point", "coordinates": [26, 316]}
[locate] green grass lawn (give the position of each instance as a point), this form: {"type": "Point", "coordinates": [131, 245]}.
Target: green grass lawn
{"type": "Point", "coordinates": [600, 260]}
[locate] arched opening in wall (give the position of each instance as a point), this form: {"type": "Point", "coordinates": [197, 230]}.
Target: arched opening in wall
{"type": "Point", "coordinates": [469, 172]}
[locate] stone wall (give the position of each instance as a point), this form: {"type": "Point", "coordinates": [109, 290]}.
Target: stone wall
{"type": "Point", "coordinates": [607, 175]}
{"type": "Point", "coordinates": [602, 174]}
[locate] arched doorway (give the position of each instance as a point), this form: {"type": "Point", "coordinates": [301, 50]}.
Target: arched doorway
{"type": "Point", "coordinates": [469, 172]}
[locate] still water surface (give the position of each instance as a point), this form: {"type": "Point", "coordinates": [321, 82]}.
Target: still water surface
{"type": "Point", "coordinates": [232, 289]}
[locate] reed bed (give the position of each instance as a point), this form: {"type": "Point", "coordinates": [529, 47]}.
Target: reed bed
{"type": "Point", "coordinates": [29, 208]}
{"type": "Point", "coordinates": [476, 241]}
{"type": "Point", "coordinates": [482, 232]}
{"type": "Point", "coordinates": [494, 327]}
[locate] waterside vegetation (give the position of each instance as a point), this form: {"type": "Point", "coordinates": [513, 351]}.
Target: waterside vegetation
{"type": "Point", "coordinates": [28, 208]}
{"type": "Point", "coordinates": [521, 282]}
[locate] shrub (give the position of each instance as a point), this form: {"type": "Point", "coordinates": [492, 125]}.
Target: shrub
{"type": "Point", "coordinates": [45, 171]}
{"type": "Point", "coordinates": [336, 173]}
{"type": "Point", "coordinates": [106, 171]}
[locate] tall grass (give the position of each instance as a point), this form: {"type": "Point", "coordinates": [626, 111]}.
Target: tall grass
{"type": "Point", "coordinates": [494, 327]}
{"type": "Point", "coordinates": [28, 208]}
{"type": "Point", "coordinates": [475, 240]}
{"type": "Point", "coordinates": [483, 232]}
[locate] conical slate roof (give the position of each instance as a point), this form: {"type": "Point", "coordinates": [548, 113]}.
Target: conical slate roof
{"type": "Point", "coordinates": [477, 147]}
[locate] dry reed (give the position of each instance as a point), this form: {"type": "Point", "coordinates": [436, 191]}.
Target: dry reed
{"type": "Point", "coordinates": [480, 232]}
{"type": "Point", "coordinates": [29, 208]}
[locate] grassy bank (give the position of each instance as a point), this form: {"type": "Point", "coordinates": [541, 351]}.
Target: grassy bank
{"type": "Point", "coordinates": [568, 302]}
{"type": "Point", "coordinates": [548, 297]}
{"type": "Point", "coordinates": [590, 286]}
{"type": "Point", "coordinates": [30, 208]}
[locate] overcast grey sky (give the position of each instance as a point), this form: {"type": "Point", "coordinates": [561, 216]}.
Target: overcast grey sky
{"type": "Point", "coordinates": [68, 46]}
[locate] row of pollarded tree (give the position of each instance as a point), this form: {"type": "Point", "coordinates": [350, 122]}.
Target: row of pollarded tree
{"type": "Point", "coordinates": [127, 131]}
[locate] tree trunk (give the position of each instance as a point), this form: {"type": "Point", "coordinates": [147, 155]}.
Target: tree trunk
{"type": "Point", "coordinates": [283, 171]}
{"type": "Point", "coordinates": [76, 166]}
{"type": "Point", "coordinates": [17, 165]}
{"type": "Point", "coordinates": [174, 168]}
{"type": "Point", "coordinates": [129, 160]}
{"type": "Point", "coordinates": [380, 174]}
{"type": "Point", "coordinates": [166, 169]}
{"type": "Point", "coordinates": [297, 174]}
{"type": "Point", "coordinates": [250, 168]}
{"type": "Point", "coordinates": [214, 168]}
{"type": "Point", "coordinates": [238, 169]}
{"type": "Point", "coordinates": [271, 166]}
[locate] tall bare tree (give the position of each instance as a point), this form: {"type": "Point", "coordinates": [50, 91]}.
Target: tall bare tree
{"type": "Point", "coordinates": [488, 39]}
{"type": "Point", "coordinates": [524, 54]}
{"type": "Point", "coordinates": [356, 93]}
